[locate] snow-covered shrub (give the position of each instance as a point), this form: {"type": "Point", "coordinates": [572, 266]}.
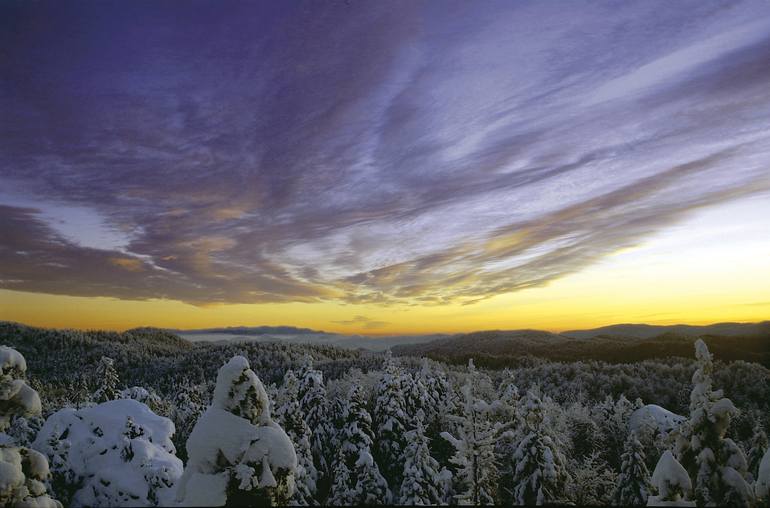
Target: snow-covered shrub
{"type": "Point", "coordinates": [23, 473]}
{"type": "Point", "coordinates": [671, 481]}
{"type": "Point", "coordinates": [17, 399]}
{"type": "Point", "coordinates": [118, 453]}
{"type": "Point", "coordinates": [237, 453]}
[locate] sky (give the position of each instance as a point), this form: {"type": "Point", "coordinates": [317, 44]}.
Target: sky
{"type": "Point", "coordinates": [384, 167]}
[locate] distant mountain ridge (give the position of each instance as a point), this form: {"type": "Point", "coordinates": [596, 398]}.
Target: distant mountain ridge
{"type": "Point", "coordinates": [252, 330]}
{"type": "Point", "coordinates": [644, 331]}
{"type": "Point", "coordinates": [615, 344]}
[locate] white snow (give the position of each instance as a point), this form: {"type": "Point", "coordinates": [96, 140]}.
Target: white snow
{"type": "Point", "coordinates": [224, 444]}
{"type": "Point", "coordinates": [16, 397]}
{"type": "Point", "coordinates": [11, 360]}
{"type": "Point", "coordinates": [671, 480]}
{"type": "Point", "coordinates": [762, 485]}
{"type": "Point", "coordinates": [120, 450]}
{"type": "Point", "coordinates": [655, 418]}
{"type": "Point", "coordinates": [22, 475]}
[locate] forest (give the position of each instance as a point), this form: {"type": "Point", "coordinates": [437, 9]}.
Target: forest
{"type": "Point", "coordinates": [145, 418]}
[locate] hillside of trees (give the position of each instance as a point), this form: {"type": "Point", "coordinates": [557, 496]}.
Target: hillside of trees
{"type": "Point", "coordinates": [498, 349]}
{"type": "Point", "coordinates": [144, 418]}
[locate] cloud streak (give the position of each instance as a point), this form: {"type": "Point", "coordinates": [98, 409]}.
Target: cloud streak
{"type": "Point", "coordinates": [400, 153]}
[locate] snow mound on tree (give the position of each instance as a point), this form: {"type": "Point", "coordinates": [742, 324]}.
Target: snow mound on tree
{"type": "Point", "coordinates": [236, 442]}
{"type": "Point", "coordinates": [16, 397]}
{"type": "Point", "coordinates": [116, 453]}
{"type": "Point", "coordinates": [655, 418]}
{"type": "Point", "coordinates": [672, 481]}
{"type": "Point", "coordinates": [22, 476]}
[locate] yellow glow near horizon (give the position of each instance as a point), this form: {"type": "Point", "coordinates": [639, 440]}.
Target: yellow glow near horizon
{"type": "Point", "coordinates": [702, 271]}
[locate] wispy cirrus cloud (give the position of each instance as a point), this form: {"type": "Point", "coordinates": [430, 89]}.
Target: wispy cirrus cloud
{"type": "Point", "coordinates": [400, 153]}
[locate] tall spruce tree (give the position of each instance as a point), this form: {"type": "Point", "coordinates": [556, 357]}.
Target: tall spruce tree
{"type": "Point", "coordinates": [313, 405]}
{"type": "Point", "coordinates": [474, 448]}
{"type": "Point", "coordinates": [634, 485]}
{"type": "Point", "coordinates": [391, 421]}
{"type": "Point", "coordinates": [716, 465]}
{"type": "Point", "coordinates": [422, 481]}
{"type": "Point", "coordinates": [106, 378]}
{"type": "Point", "coordinates": [357, 479]}
{"type": "Point", "coordinates": [290, 417]}
{"type": "Point", "coordinates": [540, 474]}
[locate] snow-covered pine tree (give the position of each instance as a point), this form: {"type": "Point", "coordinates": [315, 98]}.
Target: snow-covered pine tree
{"type": "Point", "coordinates": [23, 472]}
{"type": "Point", "coordinates": [672, 483]}
{"type": "Point", "coordinates": [313, 405]}
{"type": "Point", "coordinates": [238, 453]}
{"type": "Point", "coordinates": [289, 416]}
{"type": "Point", "coordinates": [356, 477]}
{"type": "Point", "coordinates": [593, 482]}
{"type": "Point", "coordinates": [106, 379]}
{"type": "Point", "coordinates": [716, 465]}
{"type": "Point", "coordinates": [634, 485]}
{"type": "Point", "coordinates": [422, 483]}
{"type": "Point", "coordinates": [118, 453]}
{"type": "Point", "coordinates": [612, 418]}
{"type": "Point", "coordinates": [391, 421]}
{"type": "Point", "coordinates": [759, 446]}
{"type": "Point", "coordinates": [540, 474]}
{"type": "Point", "coordinates": [441, 402]}
{"type": "Point", "coordinates": [507, 417]}
{"type": "Point", "coordinates": [17, 398]}
{"type": "Point", "coordinates": [416, 397]}
{"type": "Point", "coordinates": [188, 405]}
{"type": "Point", "coordinates": [474, 448]}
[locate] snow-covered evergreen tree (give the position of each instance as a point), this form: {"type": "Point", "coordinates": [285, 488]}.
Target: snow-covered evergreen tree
{"type": "Point", "coordinates": [593, 482]}
{"type": "Point", "coordinates": [759, 446]}
{"type": "Point", "coordinates": [671, 482]}
{"type": "Point", "coordinates": [238, 454]}
{"type": "Point", "coordinates": [440, 404]}
{"type": "Point", "coordinates": [540, 474]}
{"type": "Point", "coordinates": [716, 465]}
{"type": "Point", "coordinates": [289, 416]}
{"type": "Point", "coordinates": [356, 477]}
{"type": "Point", "coordinates": [511, 425]}
{"type": "Point", "coordinates": [313, 406]}
{"type": "Point", "coordinates": [633, 486]}
{"type": "Point", "coordinates": [612, 416]}
{"type": "Point", "coordinates": [106, 378]}
{"type": "Point", "coordinates": [24, 472]}
{"type": "Point", "coordinates": [474, 448]}
{"type": "Point", "coordinates": [421, 484]}
{"type": "Point", "coordinates": [23, 476]}
{"type": "Point", "coordinates": [116, 453]}
{"type": "Point", "coordinates": [17, 398]}
{"type": "Point", "coordinates": [391, 421]}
